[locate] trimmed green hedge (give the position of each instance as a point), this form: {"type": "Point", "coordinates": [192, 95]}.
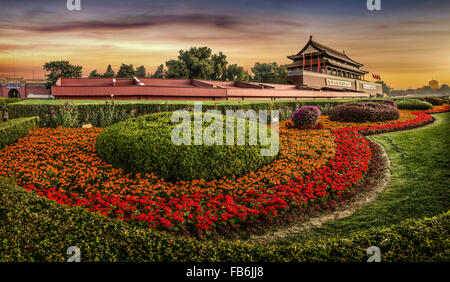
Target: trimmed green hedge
{"type": "Point", "coordinates": [102, 114]}
{"type": "Point", "coordinates": [4, 100]}
{"type": "Point", "coordinates": [13, 129]}
{"type": "Point", "coordinates": [145, 144]}
{"type": "Point", "coordinates": [413, 104]}
{"type": "Point", "coordinates": [33, 228]}
{"type": "Point", "coordinates": [435, 101]}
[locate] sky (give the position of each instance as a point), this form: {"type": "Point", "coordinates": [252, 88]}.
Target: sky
{"type": "Point", "coordinates": [407, 43]}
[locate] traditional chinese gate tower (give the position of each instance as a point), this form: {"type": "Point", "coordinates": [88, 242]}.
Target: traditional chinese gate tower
{"type": "Point", "coordinates": [319, 67]}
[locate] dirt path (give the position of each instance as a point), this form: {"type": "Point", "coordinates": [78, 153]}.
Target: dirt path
{"type": "Point", "coordinates": [342, 210]}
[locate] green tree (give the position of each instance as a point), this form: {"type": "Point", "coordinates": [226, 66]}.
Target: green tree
{"type": "Point", "coordinates": [109, 72]}
{"type": "Point", "coordinates": [160, 72]}
{"type": "Point", "coordinates": [199, 63]}
{"type": "Point", "coordinates": [237, 73]}
{"type": "Point", "coordinates": [126, 71]}
{"type": "Point", "coordinates": [219, 66]}
{"type": "Point", "coordinates": [444, 88]}
{"type": "Point", "coordinates": [61, 69]}
{"type": "Point", "coordinates": [94, 74]}
{"type": "Point", "coordinates": [385, 87]}
{"type": "Point", "coordinates": [141, 71]}
{"type": "Point", "coordinates": [176, 69]}
{"type": "Point", "coordinates": [269, 73]}
{"type": "Point", "coordinates": [427, 89]}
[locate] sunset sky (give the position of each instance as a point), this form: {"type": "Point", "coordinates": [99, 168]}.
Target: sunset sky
{"type": "Point", "coordinates": [407, 43]}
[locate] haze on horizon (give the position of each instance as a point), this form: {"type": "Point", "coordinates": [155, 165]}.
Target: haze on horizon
{"type": "Point", "coordinates": [407, 43]}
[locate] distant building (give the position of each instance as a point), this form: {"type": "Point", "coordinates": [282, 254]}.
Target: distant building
{"type": "Point", "coordinates": [317, 72]}
{"type": "Point", "coordinates": [188, 89]}
{"type": "Point", "coordinates": [319, 67]}
{"type": "Point", "coordinates": [23, 88]}
{"type": "Point", "coordinates": [434, 84]}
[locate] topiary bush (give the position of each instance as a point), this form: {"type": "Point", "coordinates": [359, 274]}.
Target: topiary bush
{"type": "Point", "coordinates": [306, 117]}
{"type": "Point", "coordinates": [413, 104]}
{"type": "Point", "coordinates": [364, 111]}
{"type": "Point", "coordinates": [433, 101]}
{"type": "Point", "coordinates": [144, 144]}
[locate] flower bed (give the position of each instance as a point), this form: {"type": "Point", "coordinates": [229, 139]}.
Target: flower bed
{"type": "Point", "coordinates": [314, 166]}
{"type": "Point", "coordinates": [62, 164]}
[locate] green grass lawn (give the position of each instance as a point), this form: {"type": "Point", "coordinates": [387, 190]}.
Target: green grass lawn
{"type": "Point", "coordinates": [419, 184]}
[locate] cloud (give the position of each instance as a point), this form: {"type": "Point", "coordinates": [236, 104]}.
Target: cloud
{"type": "Point", "coordinates": [143, 21]}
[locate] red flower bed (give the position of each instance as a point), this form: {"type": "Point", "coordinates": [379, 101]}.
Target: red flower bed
{"type": "Point", "coordinates": [422, 118]}
{"type": "Point", "coordinates": [206, 210]}
{"type": "Point", "coordinates": [229, 209]}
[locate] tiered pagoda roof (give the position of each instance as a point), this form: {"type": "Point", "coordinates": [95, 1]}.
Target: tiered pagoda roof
{"type": "Point", "coordinates": [327, 54]}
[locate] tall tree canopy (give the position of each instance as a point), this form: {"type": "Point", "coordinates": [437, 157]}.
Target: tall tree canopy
{"type": "Point", "coordinates": [61, 69]}
{"type": "Point", "coordinates": [444, 88]}
{"type": "Point", "coordinates": [176, 69]}
{"type": "Point", "coordinates": [94, 74]}
{"type": "Point", "coordinates": [198, 63]}
{"type": "Point", "coordinates": [236, 73]}
{"type": "Point", "coordinates": [109, 72]}
{"type": "Point", "coordinates": [160, 72]}
{"type": "Point", "coordinates": [141, 72]}
{"type": "Point", "coordinates": [269, 73]}
{"type": "Point", "coordinates": [126, 71]}
{"type": "Point", "coordinates": [385, 87]}
{"type": "Point", "coordinates": [219, 62]}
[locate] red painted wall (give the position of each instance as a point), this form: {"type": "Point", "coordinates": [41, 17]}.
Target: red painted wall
{"type": "Point", "coordinates": [185, 89]}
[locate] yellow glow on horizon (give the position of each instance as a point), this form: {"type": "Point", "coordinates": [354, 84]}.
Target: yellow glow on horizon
{"type": "Point", "coordinates": [402, 61]}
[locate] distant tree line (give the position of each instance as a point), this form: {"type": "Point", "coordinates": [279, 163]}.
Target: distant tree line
{"type": "Point", "coordinates": [195, 63]}
{"type": "Point", "coordinates": [444, 89]}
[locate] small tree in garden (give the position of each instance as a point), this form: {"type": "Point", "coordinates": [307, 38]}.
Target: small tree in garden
{"type": "Point", "coordinates": [307, 117]}
{"type": "Point", "coordinates": [61, 69]}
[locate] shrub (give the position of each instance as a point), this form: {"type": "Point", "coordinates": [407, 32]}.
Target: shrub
{"type": "Point", "coordinates": [13, 129]}
{"type": "Point", "coordinates": [306, 117]}
{"type": "Point", "coordinates": [433, 101]}
{"type": "Point", "coordinates": [413, 104]}
{"type": "Point", "coordinates": [364, 111]}
{"type": "Point", "coordinates": [4, 100]}
{"type": "Point", "coordinates": [145, 144]}
{"type": "Point", "coordinates": [64, 115]}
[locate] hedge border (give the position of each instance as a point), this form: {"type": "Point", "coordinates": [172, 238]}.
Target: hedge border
{"type": "Point", "coordinates": [14, 129]}
{"type": "Point", "coordinates": [105, 239]}
{"type": "Point", "coordinates": [4, 100]}
{"type": "Point", "coordinates": [101, 114]}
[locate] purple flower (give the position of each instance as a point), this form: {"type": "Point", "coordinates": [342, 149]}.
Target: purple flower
{"type": "Point", "coordinates": [306, 117]}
